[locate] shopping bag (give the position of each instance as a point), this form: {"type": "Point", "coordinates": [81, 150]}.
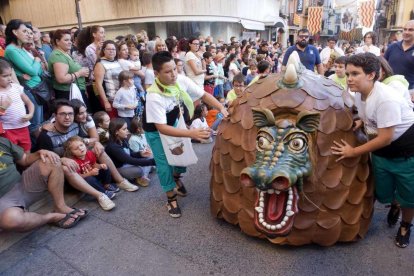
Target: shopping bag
{"type": "Point", "coordinates": [178, 150]}
{"type": "Point", "coordinates": [75, 92]}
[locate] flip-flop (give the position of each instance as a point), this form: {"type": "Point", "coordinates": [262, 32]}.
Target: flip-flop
{"type": "Point", "coordinates": [76, 211]}
{"type": "Point", "coordinates": [61, 223]}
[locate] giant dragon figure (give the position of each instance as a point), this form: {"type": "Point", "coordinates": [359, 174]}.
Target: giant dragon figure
{"type": "Point", "coordinates": [273, 173]}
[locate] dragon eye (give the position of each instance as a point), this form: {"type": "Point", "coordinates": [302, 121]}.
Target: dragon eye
{"type": "Point", "coordinates": [262, 143]}
{"type": "Point", "coordinates": [296, 144]}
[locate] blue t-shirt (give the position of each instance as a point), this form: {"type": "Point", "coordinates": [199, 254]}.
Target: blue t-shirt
{"type": "Point", "coordinates": [401, 62]}
{"type": "Point", "coordinates": [309, 57]}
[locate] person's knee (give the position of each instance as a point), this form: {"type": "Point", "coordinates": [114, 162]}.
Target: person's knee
{"type": "Point", "coordinates": [47, 168]}
{"type": "Point", "coordinates": [12, 219]}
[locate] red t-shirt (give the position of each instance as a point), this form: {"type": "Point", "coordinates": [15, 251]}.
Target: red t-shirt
{"type": "Point", "coordinates": [86, 165]}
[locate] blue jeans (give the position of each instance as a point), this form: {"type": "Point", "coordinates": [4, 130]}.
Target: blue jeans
{"type": "Point", "coordinates": [37, 119]}
{"type": "Point", "coordinates": [98, 181]}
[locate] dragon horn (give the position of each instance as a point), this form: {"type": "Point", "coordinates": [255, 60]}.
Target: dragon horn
{"type": "Point", "coordinates": [291, 76]}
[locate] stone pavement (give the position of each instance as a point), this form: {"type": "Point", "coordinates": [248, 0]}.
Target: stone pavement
{"type": "Point", "coordinates": [139, 238]}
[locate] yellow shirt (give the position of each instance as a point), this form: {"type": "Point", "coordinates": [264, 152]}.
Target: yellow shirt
{"type": "Point", "coordinates": [231, 95]}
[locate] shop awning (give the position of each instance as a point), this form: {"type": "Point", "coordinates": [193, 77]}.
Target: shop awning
{"type": "Point", "coordinates": [252, 25]}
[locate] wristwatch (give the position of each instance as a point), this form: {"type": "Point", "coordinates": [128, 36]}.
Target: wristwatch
{"type": "Point", "coordinates": [86, 141]}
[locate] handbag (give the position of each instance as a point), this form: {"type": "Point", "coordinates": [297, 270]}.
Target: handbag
{"type": "Point", "coordinates": [41, 93]}
{"type": "Point", "coordinates": [178, 150]}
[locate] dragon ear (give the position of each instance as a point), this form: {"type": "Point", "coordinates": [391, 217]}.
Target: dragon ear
{"type": "Point", "coordinates": [308, 120]}
{"type": "Point", "coordinates": [263, 117]}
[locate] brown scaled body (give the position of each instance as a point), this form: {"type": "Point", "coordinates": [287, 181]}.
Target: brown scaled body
{"type": "Point", "coordinates": [338, 206]}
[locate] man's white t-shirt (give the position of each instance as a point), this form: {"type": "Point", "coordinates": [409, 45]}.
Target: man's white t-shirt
{"type": "Point", "coordinates": [384, 108]}
{"type": "Point", "coordinates": [158, 105]}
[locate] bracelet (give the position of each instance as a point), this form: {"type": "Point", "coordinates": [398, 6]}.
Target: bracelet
{"type": "Point", "coordinates": [71, 78]}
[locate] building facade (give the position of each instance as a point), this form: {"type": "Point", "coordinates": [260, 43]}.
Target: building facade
{"type": "Point", "coordinates": [218, 18]}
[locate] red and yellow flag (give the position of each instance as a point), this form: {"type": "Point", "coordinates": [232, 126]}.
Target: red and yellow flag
{"type": "Point", "coordinates": [366, 13]}
{"type": "Point", "coordinates": [314, 19]}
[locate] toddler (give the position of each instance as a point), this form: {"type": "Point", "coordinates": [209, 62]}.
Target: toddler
{"type": "Point", "coordinates": [125, 100]}
{"type": "Point", "coordinates": [14, 119]}
{"type": "Point", "coordinates": [97, 175]}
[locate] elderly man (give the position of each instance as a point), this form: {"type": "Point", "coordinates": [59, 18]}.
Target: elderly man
{"type": "Point", "coordinates": [18, 192]}
{"type": "Point", "coordinates": [400, 55]}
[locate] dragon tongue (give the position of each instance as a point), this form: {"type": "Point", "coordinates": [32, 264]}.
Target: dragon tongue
{"type": "Point", "coordinates": [275, 206]}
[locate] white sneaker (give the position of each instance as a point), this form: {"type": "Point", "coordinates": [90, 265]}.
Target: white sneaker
{"type": "Point", "coordinates": [105, 202]}
{"type": "Point", "coordinates": [127, 186]}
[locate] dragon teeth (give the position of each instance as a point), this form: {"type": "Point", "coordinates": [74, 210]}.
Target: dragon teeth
{"type": "Point", "coordinates": [270, 191]}
{"type": "Point", "coordinates": [259, 209]}
{"type": "Point", "coordinates": [277, 192]}
{"type": "Point", "coordinates": [290, 213]}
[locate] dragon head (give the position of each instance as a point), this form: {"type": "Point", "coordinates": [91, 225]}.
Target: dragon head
{"type": "Point", "coordinates": [283, 160]}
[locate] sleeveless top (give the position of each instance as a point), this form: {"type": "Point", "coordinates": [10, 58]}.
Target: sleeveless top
{"type": "Point", "coordinates": [110, 81]}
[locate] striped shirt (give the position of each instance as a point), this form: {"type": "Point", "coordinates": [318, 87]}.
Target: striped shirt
{"type": "Point", "coordinates": [12, 119]}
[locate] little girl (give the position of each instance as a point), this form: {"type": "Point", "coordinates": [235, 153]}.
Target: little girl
{"type": "Point", "coordinates": [130, 165]}
{"type": "Point", "coordinates": [200, 121]}
{"type": "Point", "coordinates": [138, 144]}
{"type": "Point", "coordinates": [15, 120]}
{"type": "Point", "coordinates": [97, 175]}
{"type": "Point", "coordinates": [125, 100]}
{"type": "Point", "coordinates": [102, 120]}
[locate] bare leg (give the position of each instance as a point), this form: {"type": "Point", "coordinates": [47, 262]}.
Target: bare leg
{"type": "Point", "coordinates": [407, 216]}
{"type": "Point", "coordinates": [55, 176]}
{"type": "Point", "coordinates": [16, 219]}
{"type": "Point", "coordinates": [116, 176]}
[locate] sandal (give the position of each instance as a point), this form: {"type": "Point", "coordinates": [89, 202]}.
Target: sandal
{"type": "Point", "coordinates": [174, 212]}
{"type": "Point", "coordinates": [393, 214]}
{"type": "Point", "coordinates": [180, 189]}
{"type": "Point", "coordinates": [76, 211]}
{"type": "Point", "coordinates": [62, 223]}
{"type": "Point", "coordinates": [400, 240]}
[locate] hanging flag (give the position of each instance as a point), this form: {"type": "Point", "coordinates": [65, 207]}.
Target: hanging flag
{"type": "Point", "coordinates": [314, 19]}
{"type": "Point", "coordinates": [297, 19]}
{"type": "Point", "coordinates": [366, 13]}
{"type": "Point", "coordinates": [349, 14]}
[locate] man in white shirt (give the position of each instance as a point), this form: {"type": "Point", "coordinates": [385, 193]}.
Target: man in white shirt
{"type": "Point", "coordinates": [329, 54]}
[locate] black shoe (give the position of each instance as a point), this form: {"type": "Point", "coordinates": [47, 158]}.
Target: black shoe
{"type": "Point", "coordinates": [393, 214]}
{"type": "Point", "coordinates": [400, 240]}
{"type": "Point", "coordinates": [174, 212]}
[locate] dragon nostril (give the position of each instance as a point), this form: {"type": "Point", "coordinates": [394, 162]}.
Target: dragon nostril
{"type": "Point", "coordinates": [280, 183]}
{"type": "Point", "coordinates": [245, 180]}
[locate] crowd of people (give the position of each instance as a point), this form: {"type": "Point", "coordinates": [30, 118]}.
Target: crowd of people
{"type": "Point", "coordinates": [79, 110]}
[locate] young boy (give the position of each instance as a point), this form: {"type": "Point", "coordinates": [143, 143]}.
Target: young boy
{"type": "Point", "coordinates": [339, 77]}
{"type": "Point", "coordinates": [161, 113]}
{"type": "Point", "coordinates": [263, 69]}
{"type": "Point", "coordinates": [238, 87]}
{"type": "Point", "coordinates": [252, 73]}
{"type": "Point", "coordinates": [389, 123]}
{"type": "Point", "coordinates": [209, 77]}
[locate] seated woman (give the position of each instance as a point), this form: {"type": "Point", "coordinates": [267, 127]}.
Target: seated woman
{"type": "Point", "coordinates": [128, 163]}
{"type": "Point", "coordinates": [87, 128]}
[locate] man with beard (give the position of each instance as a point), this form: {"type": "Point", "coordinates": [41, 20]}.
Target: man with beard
{"type": "Point", "coordinates": [308, 54]}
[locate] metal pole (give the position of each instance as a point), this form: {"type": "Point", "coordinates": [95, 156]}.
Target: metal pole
{"type": "Point", "coordinates": [78, 14]}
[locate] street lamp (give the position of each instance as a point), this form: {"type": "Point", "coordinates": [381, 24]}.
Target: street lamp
{"type": "Point", "coordinates": [78, 14]}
